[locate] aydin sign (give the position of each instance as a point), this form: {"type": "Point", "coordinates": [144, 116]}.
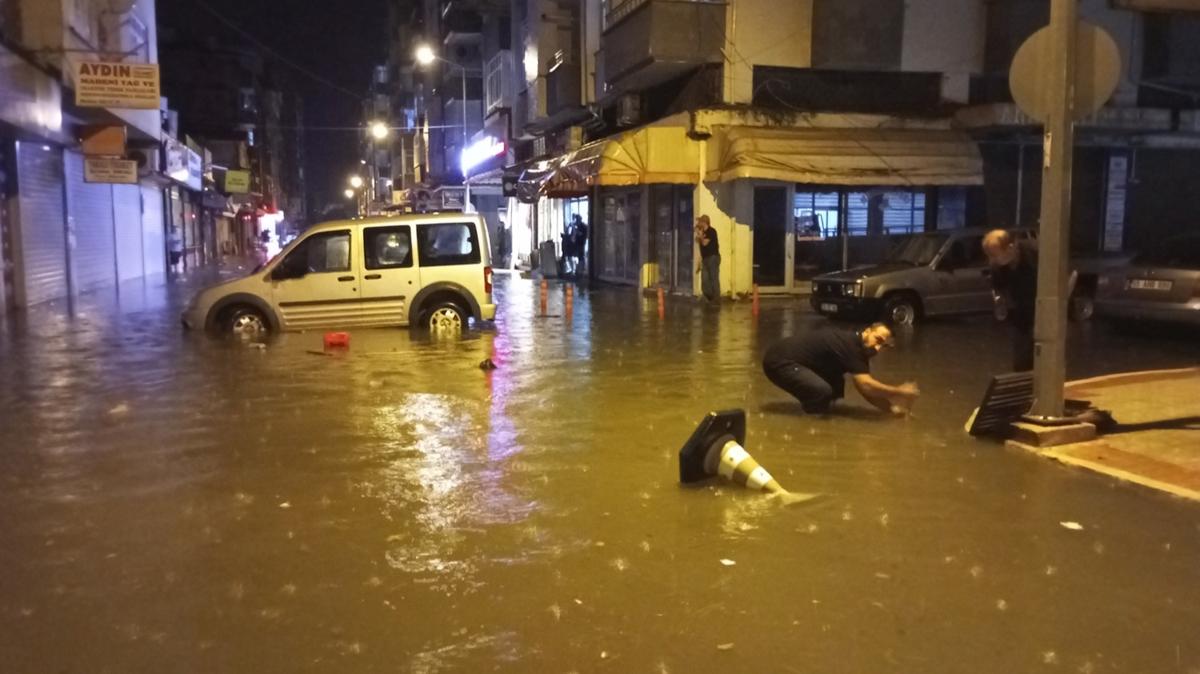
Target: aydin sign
{"type": "Point", "coordinates": [116, 85]}
{"type": "Point", "coordinates": [481, 151]}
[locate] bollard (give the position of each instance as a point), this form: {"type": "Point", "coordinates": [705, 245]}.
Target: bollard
{"type": "Point", "coordinates": [662, 303]}
{"type": "Point", "coordinates": [754, 303]}
{"type": "Point", "coordinates": [716, 448]}
{"type": "Point", "coordinates": [545, 295]}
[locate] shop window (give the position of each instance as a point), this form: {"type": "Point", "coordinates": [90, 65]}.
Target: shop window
{"type": "Point", "coordinates": [952, 208]}
{"type": "Point", "coordinates": [885, 212]}
{"type": "Point", "coordinates": [388, 247]}
{"type": "Point", "coordinates": [446, 244]}
{"type": "Point", "coordinates": [816, 214]}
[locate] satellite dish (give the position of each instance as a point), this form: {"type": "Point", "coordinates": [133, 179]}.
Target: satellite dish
{"type": "Point", "coordinates": [121, 6]}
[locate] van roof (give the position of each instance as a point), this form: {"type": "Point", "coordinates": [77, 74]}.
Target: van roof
{"type": "Point", "coordinates": [398, 218]}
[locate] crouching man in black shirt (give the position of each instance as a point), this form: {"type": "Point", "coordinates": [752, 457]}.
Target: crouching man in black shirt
{"type": "Point", "coordinates": [812, 366]}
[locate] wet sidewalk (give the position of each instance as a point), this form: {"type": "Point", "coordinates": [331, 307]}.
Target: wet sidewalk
{"type": "Point", "coordinates": [1157, 443]}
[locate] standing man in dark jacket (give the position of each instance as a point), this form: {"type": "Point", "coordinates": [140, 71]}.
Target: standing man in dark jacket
{"type": "Point", "coordinates": [812, 366]}
{"type": "Point", "coordinates": [1014, 267]}
{"type": "Point", "coordinates": [710, 259]}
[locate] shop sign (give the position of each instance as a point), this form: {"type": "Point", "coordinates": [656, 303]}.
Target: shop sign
{"type": "Point", "coordinates": [479, 152]}
{"type": "Point", "coordinates": [184, 166]}
{"type": "Point", "coordinates": [237, 182]}
{"type": "Point", "coordinates": [112, 171]}
{"type": "Point", "coordinates": [101, 84]}
{"type": "Point", "coordinates": [452, 198]}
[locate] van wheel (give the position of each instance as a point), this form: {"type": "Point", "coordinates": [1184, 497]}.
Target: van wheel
{"type": "Point", "coordinates": [245, 321]}
{"type": "Point", "coordinates": [901, 310]}
{"type": "Point", "coordinates": [445, 317]}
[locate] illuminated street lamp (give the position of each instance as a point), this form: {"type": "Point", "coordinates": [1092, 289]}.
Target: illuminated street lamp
{"type": "Point", "coordinates": [349, 193]}
{"type": "Point", "coordinates": [379, 130]}
{"type": "Point", "coordinates": [426, 56]}
{"type": "Point", "coordinates": [356, 182]}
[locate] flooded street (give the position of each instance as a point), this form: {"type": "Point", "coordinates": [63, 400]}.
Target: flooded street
{"type": "Point", "coordinates": [175, 503]}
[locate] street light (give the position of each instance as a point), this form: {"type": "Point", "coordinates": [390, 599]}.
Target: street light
{"type": "Point", "coordinates": [426, 56]}
{"type": "Point", "coordinates": [349, 193]}
{"type": "Point", "coordinates": [379, 130]}
{"type": "Point", "coordinates": [356, 182]}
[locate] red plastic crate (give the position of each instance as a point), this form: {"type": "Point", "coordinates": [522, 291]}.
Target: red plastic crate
{"type": "Point", "coordinates": [337, 340]}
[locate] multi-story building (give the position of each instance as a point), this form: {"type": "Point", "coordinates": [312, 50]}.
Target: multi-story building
{"type": "Point", "coordinates": [241, 106]}
{"type": "Point", "coordinates": [813, 132]}
{"type": "Point", "coordinates": [59, 233]}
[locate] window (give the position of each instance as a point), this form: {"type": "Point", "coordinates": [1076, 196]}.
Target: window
{"type": "Point", "coordinates": [890, 212]}
{"type": "Point", "coordinates": [387, 247]}
{"type": "Point", "coordinates": [319, 254]}
{"type": "Point", "coordinates": [446, 244]}
{"type": "Point", "coordinates": [816, 214]}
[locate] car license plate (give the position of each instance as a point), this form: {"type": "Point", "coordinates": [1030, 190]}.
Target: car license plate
{"type": "Point", "coordinates": [831, 308]}
{"type": "Point", "coordinates": [1149, 284]}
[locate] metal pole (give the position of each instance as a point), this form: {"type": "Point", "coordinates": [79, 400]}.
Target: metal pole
{"type": "Point", "coordinates": [466, 185]}
{"type": "Point", "coordinates": [1055, 235]}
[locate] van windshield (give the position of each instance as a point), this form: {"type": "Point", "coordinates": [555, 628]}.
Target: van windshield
{"type": "Point", "coordinates": [919, 250]}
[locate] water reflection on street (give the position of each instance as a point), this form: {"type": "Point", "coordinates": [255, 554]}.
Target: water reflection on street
{"type": "Point", "coordinates": [175, 503]}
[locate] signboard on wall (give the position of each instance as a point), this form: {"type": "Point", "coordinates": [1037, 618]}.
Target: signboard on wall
{"type": "Point", "coordinates": [1158, 5]}
{"type": "Point", "coordinates": [237, 182]}
{"type": "Point", "coordinates": [1114, 202]}
{"type": "Point", "coordinates": [104, 84]}
{"type": "Point", "coordinates": [184, 165]}
{"type": "Point", "coordinates": [111, 171]}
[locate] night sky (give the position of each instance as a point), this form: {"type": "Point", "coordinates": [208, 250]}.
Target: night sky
{"type": "Point", "coordinates": [338, 41]}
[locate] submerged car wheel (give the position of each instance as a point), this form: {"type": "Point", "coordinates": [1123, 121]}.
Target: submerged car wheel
{"type": "Point", "coordinates": [1083, 307]}
{"type": "Point", "coordinates": [900, 310]}
{"type": "Point", "coordinates": [446, 317]}
{"type": "Point", "coordinates": [246, 321]}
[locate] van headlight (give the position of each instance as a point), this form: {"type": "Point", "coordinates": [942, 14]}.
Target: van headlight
{"type": "Point", "coordinates": [853, 289]}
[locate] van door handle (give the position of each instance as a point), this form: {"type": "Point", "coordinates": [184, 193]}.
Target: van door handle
{"type": "Point", "coordinates": [344, 279]}
{"type": "Point", "coordinates": [373, 277]}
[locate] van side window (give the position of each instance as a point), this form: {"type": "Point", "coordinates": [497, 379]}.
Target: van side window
{"type": "Point", "coordinates": [320, 253]}
{"type": "Point", "coordinates": [388, 247]}
{"type": "Point", "coordinates": [447, 243]}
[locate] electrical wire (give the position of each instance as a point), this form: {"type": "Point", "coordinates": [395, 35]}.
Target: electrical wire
{"type": "Point", "coordinates": [279, 57]}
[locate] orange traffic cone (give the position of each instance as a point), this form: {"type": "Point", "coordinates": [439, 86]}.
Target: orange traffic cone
{"type": "Point", "coordinates": [662, 303]}
{"type": "Point", "coordinates": [715, 448]}
{"type": "Point", "coordinates": [569, 303]}
{"type": "Point", "coordinates": [754, 304]}
{"type": "Point", "coordinates": [545, 295]}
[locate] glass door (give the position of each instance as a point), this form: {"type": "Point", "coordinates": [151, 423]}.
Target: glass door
{"type": "Point", "coordinates": [771, 237]}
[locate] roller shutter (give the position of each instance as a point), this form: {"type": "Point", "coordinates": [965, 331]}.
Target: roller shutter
{"type": "Point", "coordinates": [94, 253]}
{"type": "Point", "coordinates": [42, 247]}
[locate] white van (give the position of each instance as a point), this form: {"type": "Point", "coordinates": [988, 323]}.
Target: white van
{"type": "Point", "coordinates": [431, 270]}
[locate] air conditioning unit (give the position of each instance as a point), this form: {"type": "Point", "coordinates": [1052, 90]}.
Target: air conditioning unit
{"type": "Point", "coordinates": [149, 160]}
{"type": "Point", "coordinates": [629, 110]}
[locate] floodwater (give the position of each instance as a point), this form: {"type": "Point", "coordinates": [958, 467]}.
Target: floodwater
{"type": "Point", "coordinates": [175, 503]}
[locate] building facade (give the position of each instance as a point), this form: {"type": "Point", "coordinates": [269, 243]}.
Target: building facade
{"type": "Point", "coordinates": [60, 233]}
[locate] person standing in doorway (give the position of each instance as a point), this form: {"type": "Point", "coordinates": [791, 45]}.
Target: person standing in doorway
{"type": "Point", "coordinates": [175, 248]}
{"type": "Point", "coordinates": [1014, 269]}
{"type": "Point", "coordinates": [710, 259]}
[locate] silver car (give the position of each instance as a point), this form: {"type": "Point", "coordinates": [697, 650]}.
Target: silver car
{"type": "Point", "coordinates": [1160, 284]}
{"type": "Point", "coordinates": [933, 274]}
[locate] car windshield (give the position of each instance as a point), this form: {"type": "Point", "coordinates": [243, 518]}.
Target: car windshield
{"type": "Point", "coordinates": [1177, 253]}
{"type": "Point", "coordinates": [918, 250]}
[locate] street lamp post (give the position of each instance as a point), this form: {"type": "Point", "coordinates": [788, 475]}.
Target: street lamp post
{"type": "Point", "coordinates": [426, 56]}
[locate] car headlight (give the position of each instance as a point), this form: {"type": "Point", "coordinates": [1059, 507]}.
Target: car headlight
{"type": "Point", "coordinates": [858, 288]}
{"type": "Point", "coordinates": [814, 287]}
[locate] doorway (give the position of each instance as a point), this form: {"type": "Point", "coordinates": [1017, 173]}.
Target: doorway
{"type": "Point", "coordinates": [671, 213]}
{"type": "Point", "coordinates": [771, 237]}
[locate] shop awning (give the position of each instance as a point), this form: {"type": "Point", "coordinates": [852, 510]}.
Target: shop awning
{"type": "Point", "coordinates": [660, 153]}
{"type": "Point", "coordinates": [846, 156]}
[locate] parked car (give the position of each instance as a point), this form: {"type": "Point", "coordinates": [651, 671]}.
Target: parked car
{"type": "Point", "coordinates": [1159, 284]}
{"type": "Point", "coordinates": [931, 274]}
{"type": "Point", "coordinates": [432, 270]}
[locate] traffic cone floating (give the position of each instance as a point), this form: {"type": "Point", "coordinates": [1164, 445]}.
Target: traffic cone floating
{"type": "Point", "coordinates": [716, 449]}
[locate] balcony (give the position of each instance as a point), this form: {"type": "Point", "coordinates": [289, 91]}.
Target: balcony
{"type": "Point", "coordinates": [648, 42]}
{"type": "Point", "coordinates": [461, 26]}
{"type": "Point", "coordinates": [499, 82]}
{"type": "Point", "coordinates": [563, 88]}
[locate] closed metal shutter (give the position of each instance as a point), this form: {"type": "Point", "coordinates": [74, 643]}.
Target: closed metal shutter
{"type": "Point", "coordinates": [94, 253]}
{"type": "Point", "coordinates": [154, 244]}
{"type": "Point", "coordinates": [42, 250]}
{"type": "Point", "coordinates": [127, 206]}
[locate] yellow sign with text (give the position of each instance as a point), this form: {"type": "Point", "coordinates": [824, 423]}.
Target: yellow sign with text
{"type": "Point", "coordinates": [237, 182]}
{"type": "Point", "coordinates": [101, 84]}
{"type": "Point", "coordinates": [112, 171]}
